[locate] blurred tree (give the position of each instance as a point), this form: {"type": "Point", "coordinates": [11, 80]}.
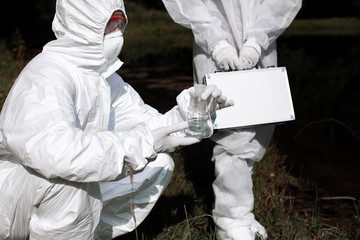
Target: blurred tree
{"type": "Point", "coordinates": [356, 4]}
{"type": "Point", "coordinates": [157, 4]}
{"type": "Point", "coordinates": [32, 18]}
{"type": "Point", "coordinates": [326, 8]}
{"type": "Point", "coordinates": [45, 9]}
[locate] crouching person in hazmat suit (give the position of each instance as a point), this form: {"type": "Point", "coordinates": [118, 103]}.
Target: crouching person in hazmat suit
{"type": "Point", "coordinates": [71, 130]}
{"type": "Point", "coordinates": [235, 35]}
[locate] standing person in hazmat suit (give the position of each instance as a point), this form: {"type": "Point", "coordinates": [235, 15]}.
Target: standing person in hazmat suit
{"type": "Point", "coordinates": [71, 132]}
{"type": "Point", "coordinates": [235, 35]}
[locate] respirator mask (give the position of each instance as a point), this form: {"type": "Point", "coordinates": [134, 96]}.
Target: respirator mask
{"type": "Point", "coordinates": [113, 43]}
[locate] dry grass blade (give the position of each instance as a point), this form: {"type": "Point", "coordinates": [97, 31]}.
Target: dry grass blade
{"type": "Point", "coordinates": [131, 175]}
{"type": "Point", "coordinates": [187, 222]}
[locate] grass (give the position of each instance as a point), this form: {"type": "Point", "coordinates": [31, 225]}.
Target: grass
{"type": "Point", "coordinates": [324, 27]}
{"type": "Point", "coordinates": [152, 38]}
{"type": "Point", "coordinates": [274, 203]}
{"type": "Point", "coordinates": [183, 211]}
{"type": "Point", "coordinates": [9, 70]}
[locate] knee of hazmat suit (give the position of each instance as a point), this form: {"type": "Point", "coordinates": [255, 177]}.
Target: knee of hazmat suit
{"type": "Point", "coordinates": [116, 219]}
{"type": "Point", "coordinates": [65, 127]}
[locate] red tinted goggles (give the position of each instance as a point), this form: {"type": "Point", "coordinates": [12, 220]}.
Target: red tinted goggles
{"type": "Point", "coordinates": [115, 23]}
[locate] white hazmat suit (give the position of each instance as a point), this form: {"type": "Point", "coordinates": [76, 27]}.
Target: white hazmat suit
{"type": "Point", "coordinates": [69, 130]}
{"type": "Point", "coordinates": [235, 34]}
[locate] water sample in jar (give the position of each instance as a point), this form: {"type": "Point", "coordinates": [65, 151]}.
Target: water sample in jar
{"type": "Point", "coordinates": [199, 120]}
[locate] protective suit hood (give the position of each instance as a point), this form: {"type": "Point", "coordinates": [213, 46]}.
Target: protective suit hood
{"type": "Point", "coordinates": [79, 28]}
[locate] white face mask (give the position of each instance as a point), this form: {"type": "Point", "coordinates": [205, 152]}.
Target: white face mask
{"type": "Point", "coordinates": [113, 43]}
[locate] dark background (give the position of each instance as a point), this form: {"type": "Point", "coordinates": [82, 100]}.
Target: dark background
{"type": "Point", "coordinates": [33, 18]}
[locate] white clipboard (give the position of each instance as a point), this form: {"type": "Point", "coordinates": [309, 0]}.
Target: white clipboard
{"type": "Point", "coordinates": [261, 96]}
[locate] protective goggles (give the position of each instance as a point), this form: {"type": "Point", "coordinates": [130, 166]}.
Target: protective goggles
{"type": "Point", "coordinates": [115, 23]}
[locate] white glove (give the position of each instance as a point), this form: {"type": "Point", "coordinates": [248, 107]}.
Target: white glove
{"type": "Point", "coordinates": [225, 56]}
{"type": "Point", "coordinates": [214, 97]}
{"type": "Point", "coordinates": [164, 142]}
{"type": "Point", "coordinates": [250, 54]}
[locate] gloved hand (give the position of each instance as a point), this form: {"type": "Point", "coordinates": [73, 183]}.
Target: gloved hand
{"type": "Point", "coordinates": [214, 97]}
{"type": "Point", "coordinates": [164, 142]}
{"type": "Point", "coordinates": [250, 54]}
{"type": "Point", "coordinates": [225, 56]}
{"type": "Point", "coordinates": [212, 94]}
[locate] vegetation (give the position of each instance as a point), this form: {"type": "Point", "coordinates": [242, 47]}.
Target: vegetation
{"type": "Point", "coordinates": [325, 27]}
{"type": "Point", "coordinates": [183, 211]}
{"type": "Point", "coordinates": [9, 69]}
{"type": "Point", "coordinates": [151, 38]}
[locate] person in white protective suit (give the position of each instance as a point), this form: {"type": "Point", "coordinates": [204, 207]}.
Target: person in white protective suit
{"type": "Point", "coordinates": [72, 132]}
{"type": "Point", "coordinates": [235, 35]}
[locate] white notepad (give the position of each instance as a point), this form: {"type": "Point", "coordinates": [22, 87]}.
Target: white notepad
{"type": "Point", "coordinates": [261, 96]}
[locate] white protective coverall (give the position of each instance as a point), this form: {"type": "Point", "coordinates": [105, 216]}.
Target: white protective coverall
{"type": "Point", "coordinates": [70, 122]}
{"type": "Point", "coordinates": [214, 22]}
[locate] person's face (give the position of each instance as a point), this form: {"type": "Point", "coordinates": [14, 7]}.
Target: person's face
{"type": "Point", "coordinates": [116, 22]}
